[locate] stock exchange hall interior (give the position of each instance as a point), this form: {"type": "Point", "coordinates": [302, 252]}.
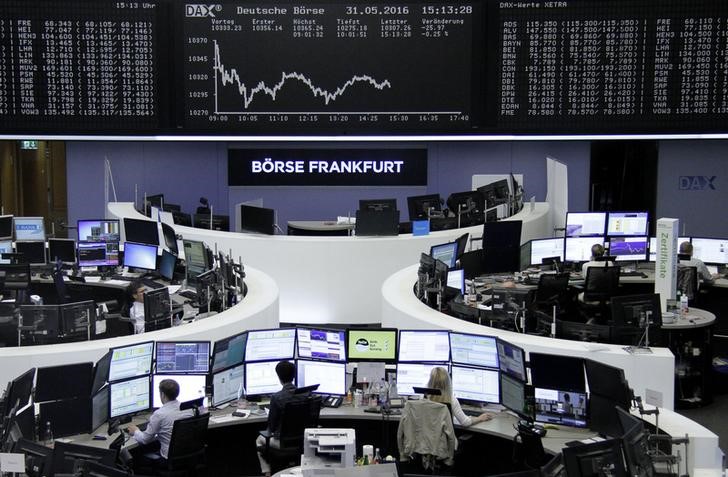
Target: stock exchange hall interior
{"type": "Point", "coordinates": [473, 238]}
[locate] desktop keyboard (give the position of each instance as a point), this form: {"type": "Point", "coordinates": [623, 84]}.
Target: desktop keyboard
{"type": "Point", "coordinates": [189, 294]}
{"type": "Point", "coordinates": [472, 412]}
{"type": "Point", "coordinates": [154, 285]}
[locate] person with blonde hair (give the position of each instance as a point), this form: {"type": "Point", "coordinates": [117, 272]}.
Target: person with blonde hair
{"type": "Point", "coordinates": [439, 379]}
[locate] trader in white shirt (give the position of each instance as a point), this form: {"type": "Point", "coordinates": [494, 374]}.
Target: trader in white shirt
{"type": "Point", "coordinates": [135, 290]}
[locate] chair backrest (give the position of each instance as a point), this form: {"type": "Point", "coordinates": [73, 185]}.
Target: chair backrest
{"type": "Point", "coordinates": [298, 415]}
{"type": "Point", "coordinates": [472, 263]}
{"type": "Point", "coordinates": [189, 436]}
{"type": "Point", "coordinates": [601, 283]}
{"type": "Point", "coordinates": [687, 280]}
{"type": "Point", "coordinates": [552, 287]}
{"type": "Point", "coordinates": [426, 429]}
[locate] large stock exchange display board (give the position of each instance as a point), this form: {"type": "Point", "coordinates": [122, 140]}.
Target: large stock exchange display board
{"type": "Point", "coordinates": [399, 67]}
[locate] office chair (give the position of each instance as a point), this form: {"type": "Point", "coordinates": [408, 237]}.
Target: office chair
{"type": "Point", "coordinates": [687, 281]}
{"type": "Point", "coordinates": [297, 416]}
{"type": "Point", "coordinates": [426, 436]}
{"type": "Point", "coordinates": [472, 264]}
{"type": "Point", "coordinates": [187, 447]}
{"type": "Point", "coordinates": [552, 290]}
{"type": "Point", "coordinates": [600, 285]}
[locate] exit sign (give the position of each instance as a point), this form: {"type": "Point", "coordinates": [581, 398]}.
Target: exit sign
{"type": "Point", "coordinates": [28, 144]}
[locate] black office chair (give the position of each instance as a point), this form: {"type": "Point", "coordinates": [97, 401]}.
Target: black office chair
{"type": "Point", "coordinates": [600, 285]}
{"type": "Point", "coordinates": [472, 264]}
{"type": "Point", "coordinates": [186, 456]}
{"type": "Point", "coordinates": [296, 418]}
{"type": "Point", "coordinates": [687, 281]}
{"type": "Point", "coordinates": [552, 290]}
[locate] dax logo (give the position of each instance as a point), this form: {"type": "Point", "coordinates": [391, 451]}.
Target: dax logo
{"type": "Point", "coordinates": [697, 182]}
{"type": "Point", "coordinates": [196, 10]}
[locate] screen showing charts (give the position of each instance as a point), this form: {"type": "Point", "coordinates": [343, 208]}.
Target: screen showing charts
{"type": "Point", "coordinates": [261, 378]}
{"type": "Point", "coordinates": [321, 344]}
{"type": "Point", "coordinates": [546, 248]}
{"type": "Point", "coordinates": [628, 248]}
{"type": "Point", "coordinates": [228, 385]}
{"type": "Point", "coordinates": [476, 384]}
{"type": "Point", "coordinates": [474, 350]}
{"type": "Point", "coordinates": [447, 252]}
{"type": "Point", "coordinates": [627, 223]}
{"type": "Point", "coordinates": [419, 345]}
{"type": "Point", "coordinates": [711, 250]}
{"type": "Point", "coordinates": [582, 224]}
{"type": "Point", "coordinates": [331, 377]}
{"type": "Point", "coordinates": [130, 396]}
{"type": "Point", "coordinates": [229, 352]}
{"type": "Point", "coordinates": [413, 374]}
{"type": "Point", "coordinates": [29, 228]}
{"type": "Point", "coordinates": [456, 279]}
{"type": "Point", "coordinates": [578, 249]}
{"type": "Point", "coordinates": [98, 230]}
{"type": "Point", "coordinates": [191, 386]}
{"type": "Point", "coordinates": [183, 357]}
{"type": "Point", "coordinates": [511, 360]}
{"type": "Point", "coordinates": [270, 344]}
{"type": "Point", "coordinates": [371, 345]}
{"type": "Point", "coordinates": [98, 254]}
{"type": "Point", "coordinates": [560, 407]}
{"type": "Point", "coordinates": [131, 361]}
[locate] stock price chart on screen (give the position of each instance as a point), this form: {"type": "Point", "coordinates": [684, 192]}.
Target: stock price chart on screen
{"type": "Point", "coordinates": [331, 66]}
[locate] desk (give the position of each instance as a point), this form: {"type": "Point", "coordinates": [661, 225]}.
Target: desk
{"type": "Point", "coordinates": [319, 228]}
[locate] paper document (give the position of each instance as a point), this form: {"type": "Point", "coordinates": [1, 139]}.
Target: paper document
{"type": "Point", "coordinates": [12, 463]}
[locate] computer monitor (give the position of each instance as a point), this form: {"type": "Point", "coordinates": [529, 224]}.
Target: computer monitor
{"type": "Point", "coordinates": [229, 352]}
{"type": "Point", "coordinates": [578, 249]}
{"type": "Point", "coordinates": [456, 280]}
{"type": "Point", "coordinates": [181, 357]}
{"type": "Point", "coordinates": [366, 344]}
{"type": "Point", "coordinates": [261, 378]}
{"type": "Point", "coordinates": [585, 224]}
{"type": "Point", "coordinates": [634, 310]}
{"type": "Point", "coordinates": [546, 248]}
{"type": "Point", "coordinates": [628, 248]}
{"type": "Point", "coordinates": [473, 350]}
{"type": "Point", "coordinates": [182, 218]}
{"type": "Point", "coordinates": [711, 250]}
{"type": "Point", "coordinates": [131, 361]}
{"type": "Point", "coordinates": [62, 249]}
{"type": "Point", "coordinates": [595, 459]}
{"type": "Point", "coordinates": [331, 377]}
{"type": "Point", "coordinates": [101, 373]}
{"type": "Point", "coordinates": [99, 408]}
{"type": "Point", "coordinates": [34, 253]}
{"type": "Point", "coordinates": [76, 318]}
{"type": "Point", "coordinates": [263, 345]}
{"type": "Point", "coordinates": [475, 384]}
{"type": "Point", "coordinates": [6, 227]}
{"type": "Point", "coordinates": [424, 346]}
{"type": "Point", "coordinates": [446, 252]}
{"type": "Point", "coordinates": [166, 264]}
{"type": "Point", "coordinates": [20, 391]}
{"type": "Point", "coordinates": [653, 246]}
{"type": "Point", "coordinates": [191, 386]}
{"type": "Point", "coordinates": [608, 381]}
{"type": "Point", "coordinates": [414, 374]}
{"type": "Point", "coordinates": [502, 246]}
{"type": "Point", "coordinates": [553, 371]}
{"type": "Point", "coordinates": [470, 203]}
{"type": "Point", "coordinates": [43, 319]}
{"type": "Point", "coordinates": [495, 193]}
{"type": "Point", "coordinates": [98, 254]}
{"type": "Point", "coordinates": [137, 255]}
{"type": "Point", "coordinates": [6, 246]}
{"type": "Point", "coordinates": [170, 238]}
{"type": "Point", "coordinates": [513, 396]}
{"type": "Point", "coordinates": [66, 381]}
{"type": "Point", "coordinates": [562, 407]}
{"type": "Point", "coordinates": [318, 343]}
{"type": "Point", "coordinates": [68, 416]}
{"type": "Point", "coordinates": [129, 397]}
{"type": "Point", "coordinates": [420, 206]}
{"type": "Point", "coordinates": [29, 228]}
{"type": "Point", "coordinates": [102, 230]}
{"type": "Point", "coordinates": [196, 257]}
{"type": "Point", "coordinates": [377, 205]}
{"type": "Point", "coordinates": [635, 444]}
{"type": "Point", "coordinates": [627, 223]}
{"type": "Point", "coordinates": [141, 231]}
{"type": "Point", "coordinates": [602, 416]}
{"type": "Point", "coordinates": [511, 359]}
{"type": "Point", "coordinates": [216, 222]}
{"type": "Point", "coordinates": [462, 244]}
{"type": "Point", "coordinates": [257, 219]}
{"type": "Point", "coordinates": [370, 223]}
{"type": "Point", "coordinates": [228, 384]}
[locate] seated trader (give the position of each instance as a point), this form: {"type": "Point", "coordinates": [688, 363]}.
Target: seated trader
{"type": "Point", "coordinates": [440, 379]}
{"type": "Point", "coordinates": [159, 429]}
{"type": "Point", "coordinates": [597, 254]}
{"type": "Point", "coordinates": [286, 371]}
{"type": "Point", "coordinates": [135, 295]}
{"type": "Point", "coordinates": [686, 248]}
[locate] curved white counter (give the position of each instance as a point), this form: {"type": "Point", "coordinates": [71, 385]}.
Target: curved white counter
{"type": "Point", "coordinates": [334, 279]}
{"type": "Point", "coordinates": [259, 309]}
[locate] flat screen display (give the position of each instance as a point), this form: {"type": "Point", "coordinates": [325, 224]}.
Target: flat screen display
{"type": "Point", "coordinates": [653, 246]}
{"type": "Point", "coordinates": [141, 231]}
{"type": "Point", "coordinates": [229, 352]}
{"type": "Point", "coordinates": [567, 408]}
{"type": "Point", "coordinates": [128, 397]}
{"type": "Point", "coordinates": [552, 371]}
{"type": "Point", "coordinates": [261, 378]}
{"type": "Point", "coordinates": [323, 344]}
{"type": "Point", "coordinates": [546, 248]}
{"type": "Point", "coordinates": [34, 253]}
{"type": "Point", "coordinates": [331, 377]}
{"type": "Point", "coordinates": [140, 256]}
{"type": "Point", "coordinates": [106, 230]}
{"type": "Point", "coordinates": [627, 223]}
{"type": "Point", "coordinates": [511, 360]}
{"type": "Point", "coordinates": [62, 249]}
{"type": "Point", "coordinates": [447, 252]}
{"type": "Point", "coordinates": [131, 361]}
{"type": "Point", "coordinates": [423, 345]}
{"type": "Point", "coordinates": [5, 247]}
{"type": "Point", "coordinates": [513, 395]}
{"type": "Point", "coordinates": [585, 224]}
{"type": "Point", "coordinates": [6, 227]}
{"type": "Point", "coordinates": [191, 386]}
{"type": "Point", "coordinates": [183, 357]}
{"type": "Point", "coordinates": [711, 250]}
{"type": "Point", "coordinates": [413, 374]}
{"type": "Point", "coordinates": [474, 350]}
{"type": "Point", "coordinates": [29, 228]}
{"type": "Point", "coordinates": [578, 249]}
{"type": "Point", "coordinates": [476, 384]}
{"type": "Point", "coordinates": [371, 344]}
{"type": "Point", "coordinates": [265, 345]}
{"type": "Point", "coordinates": [228, 385]}
{"type": "Point", "coordinates": [98, 254]}
{"type": "Point", "coordinates": [456, 279]}
{"type": "Point", "coordinates": [628, 248]}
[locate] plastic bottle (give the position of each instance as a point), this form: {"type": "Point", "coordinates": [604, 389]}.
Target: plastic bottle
{"type": "Point", "coordinates": [684, 304]}
{"type": "Point", "coordinates": [49, 434]}
{"type": "Point", "coordinates": [374, 394]}
{"type": "Point", "coordinates": [393, 389]}
{"type": "Point", "coordinates": [383, 393]}
{"type": "Point", "coordinates": [366, 459]}
{"type": "Point", "coordinates": [377, 457]}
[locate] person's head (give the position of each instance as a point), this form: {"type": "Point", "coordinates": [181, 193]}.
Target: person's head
{"type": "Point", "coordinates": [686, 248]}
{"type": "Point", "coordinates": [286, 371]}
{"type": "Point", "coordinates": [135, 290]}
{"type": "Point", "coordinates": [597, 251]}
{"type": "Point", "coordinates": [567, 398]}
{"type": "Point", "coordinates": [168, 390]}
{"type": "Point", "coordinates": [439, 379]}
